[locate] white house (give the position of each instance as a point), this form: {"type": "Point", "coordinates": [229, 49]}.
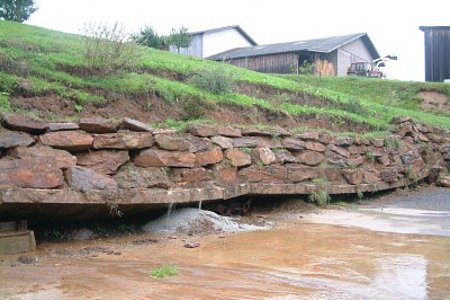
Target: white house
{"type": "Point", "coordinates": [213, 41]}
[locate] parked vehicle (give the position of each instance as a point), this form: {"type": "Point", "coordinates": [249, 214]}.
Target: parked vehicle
{"type": "Point", "coordinates": [373, 69]}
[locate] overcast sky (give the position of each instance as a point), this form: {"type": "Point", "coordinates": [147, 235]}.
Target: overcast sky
{"type": "Point", "coordinates": [391, 24]}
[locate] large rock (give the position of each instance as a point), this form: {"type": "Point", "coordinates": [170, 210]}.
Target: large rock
{"type": "Point", "coordinates": [123, 140]}
{"type": "Point", "coordinates": [103, 161]}
{"type": "Point", "coordinates": [198, 144]}
{"type": "Point", "coordinates": [308, 136]}
{"type": "Point", "coordinates": [30, 173]}
{"type": "Point", "coordinates": [310, 158]}
{"type": "Point", "coordinates": [24, 123]}
{"type": "Point", "coordinates": [265, 155]}
{"type": "Point", "coordinates": [228, 131]}
{"type": "Point", "coordinates": [135, 125]}
{"type": "Point", "coordinates": [191, 177]}
{"type": "Point", "coordinates": [313, 146]}
{"type": "Point", "coordinates": [355, 162]}
{"type": "Point", "coordinates": [87, 180]}
{"type": "Point", "coordinates": [300, 173]}
{"type": "Point", "coordinates": [284, 156]}
{"type": "Point", "coordinates": [163, 158]}
{"type": "Point", "coordinates": [97, 125]}
{"type": "Point", "coordinates": [372, 176]}
{"type": "Point", "coordinates": [202, 130]}
{"type": "Point", "coordinates": [60, 158]}
{"type": "Point", "coordinates": [270, 174]}
{"type": "Point", "coordinates": [210, 157]}
{"type": "Point", "coordinates": [344, 141]}
{"type": "Point", "coordinates": [11, 139]}
{"type": "Point", "coordinates": [238, 158]}
{"type": "Point", "coordinates": [172, 142]}
{"type": "Point", "coordinates": [225, 174]}
{"type": "Point", "coordinates": [443, 180]}
{"type": "Point", "coordinates": [62, 126]}
{"type": "Point", "coordinates": [67, 140]}
{"type": "Point", "coordinates": [130, 177]}
{"type": "Point", "coordinates": [223, 142]}
{"type": "Point", "coordinates": [245, 142]}
{"type": "Point", "coordinates": [339, 150]}
{"type": "Point", "coordinates": [293, 144]}
{"type": "Point", "coordinates": [353, 176]}
{"type": "Point", "coordinates": [389, 175]}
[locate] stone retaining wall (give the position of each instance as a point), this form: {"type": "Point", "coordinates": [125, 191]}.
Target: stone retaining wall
{"type": "Point", "coordinates": [95, 161]}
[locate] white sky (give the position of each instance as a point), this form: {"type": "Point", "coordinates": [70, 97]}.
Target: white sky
{"type": "Point", "coordinates": [391, 24]}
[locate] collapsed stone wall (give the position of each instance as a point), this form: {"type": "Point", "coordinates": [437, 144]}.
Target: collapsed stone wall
{"type": "Point", "coordinates": [96, 161]}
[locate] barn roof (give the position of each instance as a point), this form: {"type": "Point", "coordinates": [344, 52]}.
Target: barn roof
{"type": "Point", "coordinates": [237, 27]}
{"type": "Point", "coordinates": [323, 45]}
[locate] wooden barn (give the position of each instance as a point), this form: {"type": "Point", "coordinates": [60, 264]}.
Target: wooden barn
{"type": "Point", "coordinates": [331, 56]}
{"type": "Point", "coordinates": [212, 41]}
{"type": "Point", "coordinates": [437, 52]}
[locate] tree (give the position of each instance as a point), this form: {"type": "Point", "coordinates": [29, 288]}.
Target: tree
{"type": "Point", "coordinates": [17, 10]}
{"type": "Point", "coordinates": [149, 37]}
{"type": "Point", "coordinates": [179, 38]}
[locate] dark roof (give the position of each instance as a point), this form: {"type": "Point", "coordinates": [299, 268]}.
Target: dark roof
{"type": "Point", "coordinates": [323, 45]}
{"type": "Point", "coordinates": [237, 27]}
{"type": "Point", "coordinates": [423, 28]}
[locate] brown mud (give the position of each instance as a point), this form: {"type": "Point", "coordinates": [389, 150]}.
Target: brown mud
{"type": "Point", "coordinates": [296, 260]}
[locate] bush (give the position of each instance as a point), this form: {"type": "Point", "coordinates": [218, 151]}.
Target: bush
{"type": "Point", "coordinates": [108, 50]}
{"type": "Point", "coordinates": [195, 108]}
{"type": "Point", "coordinates": [215, 80]}
{"type": "Point", "coordinates": [149, 37]}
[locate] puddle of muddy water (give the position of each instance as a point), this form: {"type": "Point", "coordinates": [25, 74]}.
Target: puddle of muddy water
{"type": "Point", "coordinates": [296, 260]}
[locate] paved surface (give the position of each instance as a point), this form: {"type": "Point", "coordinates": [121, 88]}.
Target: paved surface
{"type": "Point", "coordinates": [426, 211]}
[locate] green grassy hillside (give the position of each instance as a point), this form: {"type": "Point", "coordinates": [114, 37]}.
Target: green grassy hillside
{"type": "Point", "coordinates": [45, 73]}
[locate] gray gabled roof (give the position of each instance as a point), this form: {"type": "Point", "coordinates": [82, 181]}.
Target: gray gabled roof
{"type": "Point", "coordinates": [237, 27]}
{"type": "Point", "coordinates": [323, 45]}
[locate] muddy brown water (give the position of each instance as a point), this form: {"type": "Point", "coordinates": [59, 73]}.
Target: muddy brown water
{"type": "Point", "coordinates": [295, 260]}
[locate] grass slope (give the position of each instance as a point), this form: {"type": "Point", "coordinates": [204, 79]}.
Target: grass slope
{"type": "Point", "coordinates": [38, 62]}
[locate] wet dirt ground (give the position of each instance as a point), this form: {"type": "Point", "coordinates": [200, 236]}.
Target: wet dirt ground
{"type": "Point", "coordinates": [300, 258]}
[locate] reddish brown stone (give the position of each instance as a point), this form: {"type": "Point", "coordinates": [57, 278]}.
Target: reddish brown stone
{"type": "Point", "coordinates": [265, 155]}
{"type": "Point", "coordinates": [172, 142]}
{"type": "Point", "coordinates": [87, 180]}
{"type": "Point", "coordinates": [293, 144]}
{"type": "Point", "coordinates": [11, 139]}
{"type": "Point", "coordinates": [353, 149]}
{"type": "Point", "coordinates": [334, 176]}
{"type": "Point", "coordinates": [378, 143]}
{"type": "Point", "coordinates": [300, 173]}
{"type": "Point", "coordinates": [24, 123]}
{"type": "Point", "coordinates": [223, 142]}
{"type": "Point", "coordinates": [343, 141]}
{"type": "Point", "coordinates": [228, 131]}
{"type": "Point", "coordinates": [163, 158]}
{"type": "Point", "coordinates": [372, 176]}
{"type": "Point", "coordinates": [245, 142]}
{"type": "Point", "coordinates": [198, 144]}
{"type": "Point", "coordinates": [202, 130]}
{"type": "Point", "coordinates": [60, 158]}
{"type": "Point", "coordinates": [325, 138]}
{"type": "Point", "coordinates": [123, 140]}
{"type": "Point", "coordinates": [30, 173]}
{"type": "Point", "coordinates": [225, 174]}
{"type": "Point", "coordinates": [384, 159]}
{"type": "Point", "coordinates": [67, 140]}
{"type": "Point", "coordinates": [191, 177]}
{"type": "Point", "coordinates": [399, 120]}
{"type": "Point", "coordinates": [253, 131]}
{"type": "Point", "coordinates": [97, 125]}
{"type": "Point", "coordinates": [284, 156]}
{"type": "Point", "coordinates": [272, 174]}
{"type": "Point", "coordinates": [135, 125]}
{"type": "Point", "coordinates": [443, 180]}
{"type": "Point", "coordinates": [62, 126]}
{"type": "Point", "coordinates": [209, 157]}
{"type": "Point", "coordinates": [404, 129]}
{"type": "Point", "coordinates": [420, 137]}
{"type": "Point", "coordinates": [415, 169]}
{"type": "Point", "coordinates": [308, 136]}
{"type": "Point", "coordinates": [238, 158]}
{"type": "Point", "coordinates": [389, 175]}
{"type": "Point", "coordinates": [355, 162]}
{"type": "Point", "coordinates": [103, 161]}
{"type": "Point", "coordinates": [354, 177]}
{"type": "Point", "coordinates": [130, 177]}
{"type": "Point", "coordinates": [310, 158]}
{"type": "Point", "coordinates": [338, 150]}
{"type": "Point", "coordinates": [315, 146]}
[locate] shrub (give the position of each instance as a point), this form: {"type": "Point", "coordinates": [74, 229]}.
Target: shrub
{"type": "Point", "coordinates": [320, 197]}
{"type": "Point", "coordinates": [164, 271]}
{"type": "Point", "coordinates": [215, 80]}
{"type": "Point", "coordinates": [108, 50]}
{"type": "Point", "coordinates": [195, 108]}
{"type": "Point", "coordinates": [149, 37]}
